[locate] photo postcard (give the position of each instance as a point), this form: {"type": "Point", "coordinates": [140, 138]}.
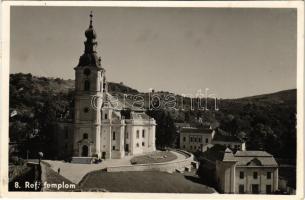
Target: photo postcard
{"type": "Point", "coordinates": [181, 99]}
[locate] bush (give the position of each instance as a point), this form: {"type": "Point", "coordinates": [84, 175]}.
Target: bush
{"type": "Point", "coordinates": [15, 160]}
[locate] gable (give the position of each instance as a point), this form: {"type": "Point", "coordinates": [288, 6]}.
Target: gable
{"type": "Point", "coordinates": [254, 162]}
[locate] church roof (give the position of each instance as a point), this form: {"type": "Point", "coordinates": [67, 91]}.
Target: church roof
{"type": "Point", "coordinates": [118, 103]}
{"type": "Point", "coordinates": [139, 115]}
{"type": "Point", "coordinates": [90, 57]}
{"type": "Point", "coordinates": [125, 109]}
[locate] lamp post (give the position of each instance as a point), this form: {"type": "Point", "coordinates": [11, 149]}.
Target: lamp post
{"type": "Point", "coordinates": [40, 156]}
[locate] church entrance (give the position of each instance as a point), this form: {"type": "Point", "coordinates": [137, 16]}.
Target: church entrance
{"type": "Point", "coordinates": [85, 151]}
{"type": "Point", "coordinates": [126, 148]}
{"type": "Point", "coordinates": [103, 155]}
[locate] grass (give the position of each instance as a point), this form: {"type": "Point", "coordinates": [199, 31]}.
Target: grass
{"type": "Point", "coordinates": [144, 182]}
{"type": "Point", "coordinates": [155, 157]}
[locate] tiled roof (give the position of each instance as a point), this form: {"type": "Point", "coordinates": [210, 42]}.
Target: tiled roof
{"type": "Point", "coordinates": [253, 154]}
{"type": "Point", "coordinates": [120, 104]}
{"type": "Point", "coordinates": [196, 130]}
{"type": "Point", "coordinates": [228, 156]}
{"type": "Point", "coordinates": [247, 158]}
{"type": "Point", "coordinates": [181, 125]}
{"type": "Point", "coordinates": [226, 138]}
{"type": "Point", "coordinates": [214, 153]}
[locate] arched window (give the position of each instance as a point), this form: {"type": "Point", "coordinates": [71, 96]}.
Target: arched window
{"type": "Point", "coordinates": [138, 134]}
{"type": "Point", "coordinates": [87, 85]}
{"type": "Point", "coordinates": [143, 133]}
{"type": "Point", "coordinates": [85, 136]}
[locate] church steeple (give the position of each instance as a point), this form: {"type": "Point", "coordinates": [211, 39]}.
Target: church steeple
{"type": "Point", "coordinates": [90, 19]}
{"type": "Point", "coordinates": [90, 58]}
{"type": "Point", "coordinates": [90, 32]}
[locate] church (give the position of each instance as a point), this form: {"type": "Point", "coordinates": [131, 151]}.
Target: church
{"type": "Point", "coordinates": [101, 128]}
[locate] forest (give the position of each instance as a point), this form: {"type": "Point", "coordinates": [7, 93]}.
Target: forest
{"type": "Point", "coordinates": [267, 122]}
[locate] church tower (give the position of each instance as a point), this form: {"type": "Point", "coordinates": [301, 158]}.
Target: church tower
{"type": "Point", "coordinates": [90, 88]}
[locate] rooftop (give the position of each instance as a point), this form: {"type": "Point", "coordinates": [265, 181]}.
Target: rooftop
{"type": "Point", "coordinates": [252, 153]}
{"type": "Point", "coordinates": [226, 138]}
{"type": "Point", "coordinates": [242, 158]}
{"type": "Point", "coordinates": [196, 130]}
{"type": "Point", "coordinates": [254, 158]}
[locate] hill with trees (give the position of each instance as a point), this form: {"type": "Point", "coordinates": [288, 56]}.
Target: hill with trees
{"type": "Point", "coordinates": [265, 121]}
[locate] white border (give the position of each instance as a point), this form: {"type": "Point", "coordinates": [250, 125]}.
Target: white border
{"type": "Point", "coordinates": [4, 85]}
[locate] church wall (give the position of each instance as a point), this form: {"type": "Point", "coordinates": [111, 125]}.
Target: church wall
{"type": "Point", "coordinates": [137, 142]}
{"type": "Point", "coordinates": [100, 126]}
{"type": "Point", "coordinates": [79, 140]}
{"type": "Point", "coordinates": [117, 145]}
{"type": "Point", "coordinates": [105, 140]}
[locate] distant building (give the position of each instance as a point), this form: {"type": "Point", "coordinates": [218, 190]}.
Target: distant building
{"type": "Point", "coordinates": [201, 138]}
{"type": "Point", "coordinates": [194, 139]}
{"type": "Point", "coordinates": [223, 138]}
{"type": "Point", "coordinates": [254, 172]}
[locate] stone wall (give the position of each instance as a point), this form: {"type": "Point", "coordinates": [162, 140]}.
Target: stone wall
{"type": "Point", "coordinates": [172, 166]}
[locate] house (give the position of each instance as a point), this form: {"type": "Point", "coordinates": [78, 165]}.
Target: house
{"type": "Point", "coordinates": [194, 139]}
{"type": "Point", "coordinates": [223, 138]}
{"type": "Point", "coordinates": [254, 172]}
{"type": "Point", "coordinates": [201, 138]}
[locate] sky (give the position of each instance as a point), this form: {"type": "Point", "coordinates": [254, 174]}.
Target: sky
{"type": "Point", "coordinates": [235, 52]}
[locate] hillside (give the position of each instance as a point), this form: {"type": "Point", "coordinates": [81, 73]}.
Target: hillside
{"type": "Point", "coordinates": [285, 96]}
{"type": "Point", "coordinates": [266, 121]}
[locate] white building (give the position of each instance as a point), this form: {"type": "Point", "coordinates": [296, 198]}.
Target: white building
{"type": "Point", "coordinates": [194, 139]}
{"type": "Point", "coordinates": [200, 139]}
{"type": "Point", "coordinates": [253, 172]}
{"type": "Point", "coordinates": [100, 128]}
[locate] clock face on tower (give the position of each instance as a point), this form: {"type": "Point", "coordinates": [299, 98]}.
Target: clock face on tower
{"type": "Point", "coordinates": [87, 72]}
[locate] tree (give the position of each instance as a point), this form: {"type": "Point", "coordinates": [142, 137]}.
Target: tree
{"type": "Point", "coordinates": [165, 130]}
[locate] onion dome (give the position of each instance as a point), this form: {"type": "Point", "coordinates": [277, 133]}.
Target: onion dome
{"type": "Point", "coordinates": [90, 32]}
{"type": "Point", "coordinates": [90, 57]}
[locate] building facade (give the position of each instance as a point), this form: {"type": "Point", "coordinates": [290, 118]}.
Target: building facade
{"type": "Point", "coordinates": [251, 172]}
{"type": "Point", "coordinates": [194, 139]}
{"type": "Point", "coordinates": [100, 128]}
{"type": "Point", "coordinates": [233, 142]}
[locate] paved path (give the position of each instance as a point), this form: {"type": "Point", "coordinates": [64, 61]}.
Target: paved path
{"type": "Point", "coordinates": [179, 156]}
{"type": "Point", "coordinates": [75, 172]}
